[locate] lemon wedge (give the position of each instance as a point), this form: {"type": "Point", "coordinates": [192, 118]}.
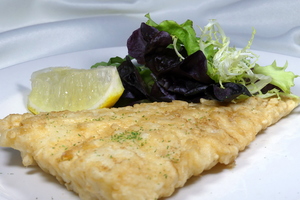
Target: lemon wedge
{"type": "Point", "coordinates": [65, 88]}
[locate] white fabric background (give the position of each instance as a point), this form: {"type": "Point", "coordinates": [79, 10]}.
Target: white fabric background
{"type": "Point", "coordinates": [32, 29]}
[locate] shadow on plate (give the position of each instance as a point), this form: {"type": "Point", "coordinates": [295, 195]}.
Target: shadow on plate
{"type": "Point", "coordinates": [14, 157]}
{"type": "Point", "coordinates": [25, 91]}
{"type": "Point", "coordinates": [14, 160]}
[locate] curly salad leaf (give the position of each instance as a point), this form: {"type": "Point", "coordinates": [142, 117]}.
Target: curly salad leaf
{"type": "Point", "coordinates": [228, 64]}
{"type": "Point", "coordinates": [168, 61]}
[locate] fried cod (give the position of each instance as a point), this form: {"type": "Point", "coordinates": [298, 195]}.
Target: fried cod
{"type": "Point", "coordinates": [142, 152]}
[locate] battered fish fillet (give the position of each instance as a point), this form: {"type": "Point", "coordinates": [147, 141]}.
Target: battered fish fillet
{"type": "Point", "coordinates": [142, 152]}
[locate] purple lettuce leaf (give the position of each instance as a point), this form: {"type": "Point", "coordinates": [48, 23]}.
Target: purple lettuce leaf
{"type": "Point", "coordinates": [174, 78]}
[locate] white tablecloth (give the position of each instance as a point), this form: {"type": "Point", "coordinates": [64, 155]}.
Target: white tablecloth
{"type": "Point", "coordinates": [32, 29]}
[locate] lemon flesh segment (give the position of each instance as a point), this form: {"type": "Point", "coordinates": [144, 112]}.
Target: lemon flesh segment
{"type": "Point", "coordinates": [65, 88]}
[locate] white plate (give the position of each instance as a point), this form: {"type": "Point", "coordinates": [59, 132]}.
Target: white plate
{"type": "Point", "coordinates": [267, 169]}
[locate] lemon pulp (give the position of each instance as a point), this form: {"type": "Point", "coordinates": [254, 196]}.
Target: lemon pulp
{"type": "Point", "coordinates": [65, 88]}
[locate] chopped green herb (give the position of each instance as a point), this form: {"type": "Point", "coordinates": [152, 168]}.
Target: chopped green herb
{"type": "Point", "coordinates": [127, 135]}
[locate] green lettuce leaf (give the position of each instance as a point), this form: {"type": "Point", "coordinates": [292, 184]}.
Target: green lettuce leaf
{"type": "Point", "coordinates": [184, 32]}
{"type": "Point", "coordinates": [114, 61]}
{"type": "Point", "coordinates": [279, 77]}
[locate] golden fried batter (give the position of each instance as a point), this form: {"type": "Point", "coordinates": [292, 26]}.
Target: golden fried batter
{"type": "Point", "coordinates": [142, 152]}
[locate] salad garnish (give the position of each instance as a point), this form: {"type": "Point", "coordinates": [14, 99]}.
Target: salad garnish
{"type": "Point", "coordinates": [169, 61]}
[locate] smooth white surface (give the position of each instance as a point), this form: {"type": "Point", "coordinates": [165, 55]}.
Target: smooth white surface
{"type": "Point", "coordinates": [32, 29]}
{"type": "Point", "coordinates": [267, 169]}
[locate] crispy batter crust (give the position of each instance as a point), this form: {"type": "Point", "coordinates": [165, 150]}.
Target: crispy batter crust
{"type": "Point", "coordinates": [140, 152]}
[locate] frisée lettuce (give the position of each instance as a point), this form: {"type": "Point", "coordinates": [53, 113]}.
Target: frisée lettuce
{"type": "Point", "coordinates": [169, 61]}
{"type": "Point", "coordinates": [228, 64]}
